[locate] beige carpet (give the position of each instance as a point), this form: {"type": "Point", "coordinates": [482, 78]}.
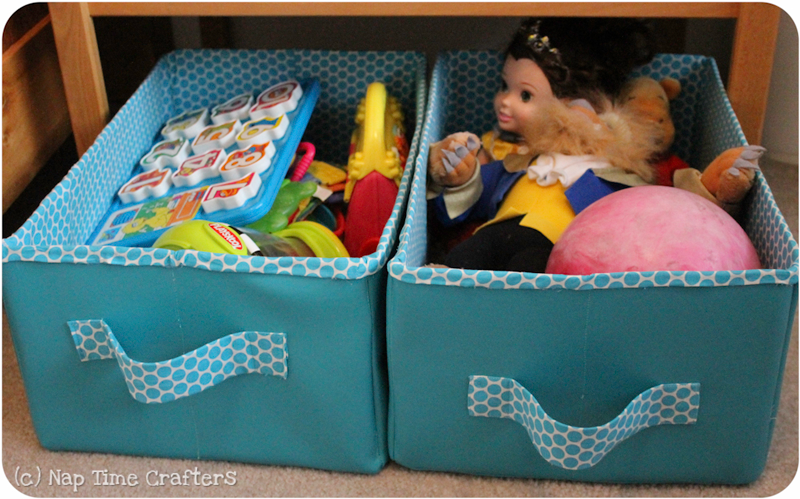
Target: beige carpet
{"type": "Point", "coordinates": [22, 454]}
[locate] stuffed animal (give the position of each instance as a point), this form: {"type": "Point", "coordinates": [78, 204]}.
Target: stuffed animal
{"type": "Point", "coordinates": [725, 181]}
{"type": "Point", "coordinates": [650, 99]}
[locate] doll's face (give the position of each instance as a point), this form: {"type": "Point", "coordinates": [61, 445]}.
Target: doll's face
{"type": "Point", "coordinates": [524, 90]}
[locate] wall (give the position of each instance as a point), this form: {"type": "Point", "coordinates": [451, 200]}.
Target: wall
{"type": "Point", "coordinates": [780, 127]}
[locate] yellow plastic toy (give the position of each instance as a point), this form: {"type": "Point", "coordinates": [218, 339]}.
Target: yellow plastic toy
{"type": "Point", "coordinates": [378, 153]}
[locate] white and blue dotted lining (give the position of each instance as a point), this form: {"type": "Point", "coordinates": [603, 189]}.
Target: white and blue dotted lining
{"type": "Point", "coordinates": [159, 382]}
{"type": "Point", "coordinates": [459, 99]}
{"type": "Point", "coordinates": [184, 80]}
{"type": "Point", "coordinates": [576, 448]}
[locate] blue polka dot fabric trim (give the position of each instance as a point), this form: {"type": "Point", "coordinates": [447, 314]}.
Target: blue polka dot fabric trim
{"type": "Point", "coordinates": [576, 448]}
{"type": "Point", "coordinates": [460, 98]}
{"type": "Point", "coordinates": [187, 79]}
{"type": "Point", "coordinates": [159, 382]}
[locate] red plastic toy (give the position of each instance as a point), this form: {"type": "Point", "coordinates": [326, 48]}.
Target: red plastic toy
{"type": "Point", "coordinates": [378, 152]}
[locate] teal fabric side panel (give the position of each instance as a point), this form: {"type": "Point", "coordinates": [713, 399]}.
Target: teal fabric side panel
{"type": "Point", "coordinates": [376, 286]}
{"type": "Point", "coordinates": [85, 406]}
{"type": "Point", "coordinates": [788, 337]}
{"type": "Point", "coordinates": [323, 415]}
{"type": "Point", "coordinates": [585, 355]}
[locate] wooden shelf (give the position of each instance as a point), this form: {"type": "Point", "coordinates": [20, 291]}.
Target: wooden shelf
{"type": "Point", "coordinates": [35, 118]}
{"type": "Point", "coordinates": [748, 82]}
{"type": "Point", "coordinates": [490, 9]}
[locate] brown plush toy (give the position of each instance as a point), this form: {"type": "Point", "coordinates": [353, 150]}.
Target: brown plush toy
{"type": "Point", "coordinates": [725, 181]}
{"type": "Point", "coordinates": [649, 100]}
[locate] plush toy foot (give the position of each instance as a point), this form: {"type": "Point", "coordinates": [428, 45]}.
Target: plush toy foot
{"type": "Point", "coordinates": [736, 181]}
{"type": "Point", "coordinates": [726, 181]}
{"type": "Point", "coordinates": [732, 174]}
{"type": "Point", "coordinates": [453, 160]}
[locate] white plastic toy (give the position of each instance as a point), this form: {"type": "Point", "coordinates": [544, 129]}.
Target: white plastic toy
{"type": "Point", "coordinates": [231, 195]}
{"type": "Point", "coordinates": [166, 154]}
{"type": "Point", "coordinates": [263, 130]}
{"type": "Point", "coordinates": [216, 137]}
{"type": "Point", "coordinates": [255, 159]}
{"type": "Point", "coordinates": [237, 108]}
{"type": "Point", "coordinates": [186, 125]}
{"type": "Point", "coordinates": [154, 183]}
{"type": "Point", "coordinates": [198, 168]}
{"type": "Point", "coordinates": [277, 100]}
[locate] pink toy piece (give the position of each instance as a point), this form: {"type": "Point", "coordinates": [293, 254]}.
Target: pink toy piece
{"type": "Point", "coordinates": [198, 168]}
{"type": "Point", "coordinates": [255, 159]}
{"type": "Point", "coordinates": [154, 183]}
{"type": "Point", "coordinates": [277, 100]}
{"type": "Point", "coordinates": [168, 153]}
{"type": "Point", "coordinates": [652, 228]}
{"type": "Point", "coordinates": [308, 151]}
{"type": "Point", "coordinates": [216, 137]}
{"type": "Point", "coordinates": [231, 195]}
{"type": "Point", "coordinates": [263, 130]}
{"type": "Point", "coordinates": [237, 108]}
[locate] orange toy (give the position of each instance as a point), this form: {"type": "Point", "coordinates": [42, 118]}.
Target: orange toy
{"type": "Point", "coordinates": [725, 181]}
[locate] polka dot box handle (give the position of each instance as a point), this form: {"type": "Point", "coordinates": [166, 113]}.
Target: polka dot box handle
{"type": "Point", "coordinates": [576, 448]}
{"type": "Point", "coordinates": [159, 382]}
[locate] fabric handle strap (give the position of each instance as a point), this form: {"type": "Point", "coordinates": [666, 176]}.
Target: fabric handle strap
{"type": "Point", "coordinates": [159, 382]}
{"type": "Point", "coordinates": [576, 448]}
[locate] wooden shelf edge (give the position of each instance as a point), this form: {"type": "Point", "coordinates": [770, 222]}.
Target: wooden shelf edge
{"type": "Point", "coordinates": [35, 117]}
{"type": "Point", "coordinates": [488, 9]}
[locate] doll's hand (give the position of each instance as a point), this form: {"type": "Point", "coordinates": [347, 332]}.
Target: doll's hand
{"type": "Point", "coordinates": [452, 161]}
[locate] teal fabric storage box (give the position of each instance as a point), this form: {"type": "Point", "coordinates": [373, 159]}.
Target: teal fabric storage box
{"type": "Point", "coordinates": [630, 377]}
{"type": "Point", "coordinates": [292, 350]}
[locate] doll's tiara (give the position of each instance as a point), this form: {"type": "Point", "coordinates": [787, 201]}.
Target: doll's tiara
{"type": "Point", "coordinates": [537, 42]}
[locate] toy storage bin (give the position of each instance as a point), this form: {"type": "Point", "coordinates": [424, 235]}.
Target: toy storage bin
{"type": "Point", "coordinates": [175, 314]}
{"type": "Point", "coordinates": [568, 369]}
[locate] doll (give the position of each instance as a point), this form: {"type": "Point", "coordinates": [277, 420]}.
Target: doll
{"type": "Point", "coordinates": [555, 121]}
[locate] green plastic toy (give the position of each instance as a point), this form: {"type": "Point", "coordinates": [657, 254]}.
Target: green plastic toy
{"type": "Point", "coordinates": [319, 238]}
{"type": "Point", "coordinates": [289, 197]}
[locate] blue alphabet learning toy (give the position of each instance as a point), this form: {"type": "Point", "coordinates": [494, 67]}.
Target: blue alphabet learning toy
{"type": "Point", "coordinates": [223, 164]}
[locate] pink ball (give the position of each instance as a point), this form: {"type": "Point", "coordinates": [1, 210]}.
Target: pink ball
{"type": "Point", "coordinates": [652, 228]}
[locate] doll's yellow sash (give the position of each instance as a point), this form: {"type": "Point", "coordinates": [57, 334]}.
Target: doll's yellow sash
{"type": "Point", "coordinates": [545, 209]}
